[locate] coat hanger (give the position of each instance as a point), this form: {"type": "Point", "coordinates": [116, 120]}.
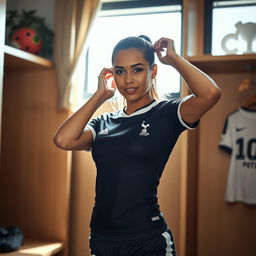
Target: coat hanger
{"type": "Point", "coordinates": [249, 80]}
{"type": "Point", "coordinates": [247, 83]}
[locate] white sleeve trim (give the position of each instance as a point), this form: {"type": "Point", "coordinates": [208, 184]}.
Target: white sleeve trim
{"type": "Point", "coordinates": [92, 130]}
{"type": "Point", "coordinates": [179, 115]}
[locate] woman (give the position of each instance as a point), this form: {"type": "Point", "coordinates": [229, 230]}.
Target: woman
{"type": "Point", "coordinates": [131, 147]}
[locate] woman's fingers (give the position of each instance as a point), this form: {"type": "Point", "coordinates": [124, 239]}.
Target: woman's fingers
{"type": "Point", "coordinates": [105, 72]}
{"type": "Point", "coordinates": [164, 48]}
{"type": "Point", "coordinates": [164, 43]}
{"type": "Point", "coordinates": [106, 81]}
{"type": "Point", "coordinates": [161, 43]}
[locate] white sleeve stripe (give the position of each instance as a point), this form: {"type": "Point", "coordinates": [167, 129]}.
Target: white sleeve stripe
{"type": "Point", "coordinates": [179, 115]}
{"type": "Point", "coordinates": [92, 130]}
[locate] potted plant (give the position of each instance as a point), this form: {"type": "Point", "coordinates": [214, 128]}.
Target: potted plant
{"type": "Point", "coordinates": [28, 32]}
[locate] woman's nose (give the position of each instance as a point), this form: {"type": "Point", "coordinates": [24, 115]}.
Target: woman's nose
{"type": "Point", "coordinates": [128, 77]}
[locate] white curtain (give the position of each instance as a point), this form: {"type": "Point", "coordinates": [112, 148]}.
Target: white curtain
{"type": "Point", "coordinates": [73, 20]}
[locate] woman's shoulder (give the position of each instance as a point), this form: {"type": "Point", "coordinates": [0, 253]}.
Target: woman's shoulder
{"type": "Point", "coordinates": [172, 102]}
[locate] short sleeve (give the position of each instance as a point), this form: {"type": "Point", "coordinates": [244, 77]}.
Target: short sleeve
{"type": "Point", "coordinates": [226, 138]}
{"type": "Point", "coordinates": [93, 125]}
{"type": "Point", "coordinates": [189, 126]}
{"type": "Point", "coordinates": [174, 114]}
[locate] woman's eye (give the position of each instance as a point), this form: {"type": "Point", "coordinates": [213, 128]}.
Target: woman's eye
{"type": "Point", "coordinates": [136, 70]}
{"type": "Point", "coordinates": [118, 71]}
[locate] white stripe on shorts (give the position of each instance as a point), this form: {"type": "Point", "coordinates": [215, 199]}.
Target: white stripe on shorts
{"type": "Point", "coordinates": [169, 243]}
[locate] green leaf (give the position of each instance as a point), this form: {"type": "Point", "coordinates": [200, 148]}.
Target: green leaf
{"type": "Point", "coordinates": [36, 39]}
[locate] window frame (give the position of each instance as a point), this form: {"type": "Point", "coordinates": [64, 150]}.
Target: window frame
{"type": "Point", "coordinates": [119, 5]}
{"type": "Point", "coordinates": [208, 17]}
{"type": "Point", "coordinates": [109, 5]}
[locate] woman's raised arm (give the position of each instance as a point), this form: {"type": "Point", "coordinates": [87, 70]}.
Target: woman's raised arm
{"type": "Point", "coordinates": [205, 91]}
{"type": "Point", "coordinates": [72, 134]}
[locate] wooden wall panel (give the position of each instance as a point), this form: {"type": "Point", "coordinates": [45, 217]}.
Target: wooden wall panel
{"type": "Point", "coordinates": [223, 228]}
{"type": "Point", "coordinates": [34, 184]}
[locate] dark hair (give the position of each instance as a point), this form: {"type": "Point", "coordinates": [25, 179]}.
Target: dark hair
{"type": "Point", "coordinates": [143, 43]}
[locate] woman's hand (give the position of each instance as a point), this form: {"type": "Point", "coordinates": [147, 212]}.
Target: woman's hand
{"type": "Point", "coordinates": [205, 91]}
{"type": "Point", "coordinates": [106, 83]}
{"type": "Point", "coordinates": [165, 50]}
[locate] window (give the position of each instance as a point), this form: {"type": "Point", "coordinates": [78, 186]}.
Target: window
{"type": "Point", "coordinates": [118, 20]}
{"type": "Point", "coordinates": [231, 27]}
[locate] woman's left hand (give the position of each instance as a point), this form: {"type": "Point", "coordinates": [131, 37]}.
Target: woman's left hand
{"type": "Point", "coordinates": [165, 50]}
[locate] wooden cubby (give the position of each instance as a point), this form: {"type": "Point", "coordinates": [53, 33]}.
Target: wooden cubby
{"type": "Point", "coordinates": [34, 175]}
{"type": "Point", "coordinates": [17, 59]}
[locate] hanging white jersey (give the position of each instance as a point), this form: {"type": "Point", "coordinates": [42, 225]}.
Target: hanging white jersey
{"type": "Point", "coordinates": [239, 139]}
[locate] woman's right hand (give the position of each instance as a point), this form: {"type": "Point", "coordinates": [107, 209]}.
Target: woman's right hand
{"type": "Point", "coordinates": [73, 133]}
{"type": "Point", "coordinates": [106, 83]}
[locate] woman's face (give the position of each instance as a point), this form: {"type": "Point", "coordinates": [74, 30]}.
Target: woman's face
{"type": "Point", "coordinates": [133, 75]}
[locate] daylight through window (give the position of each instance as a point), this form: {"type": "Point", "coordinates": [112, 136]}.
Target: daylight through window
{"type": "Point", "coordinates": [232, 27]}
{"type": "Point", "coordinates": [112, 25]}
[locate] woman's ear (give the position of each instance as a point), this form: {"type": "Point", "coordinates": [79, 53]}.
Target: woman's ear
{"type": "Point", "coordinates": [154, 71]}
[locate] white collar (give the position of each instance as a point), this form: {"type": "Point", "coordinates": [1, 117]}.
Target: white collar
{"type": "Point", "coordinates": [139, 111]}
{"type": "Point", "coordinates": [249, 113]}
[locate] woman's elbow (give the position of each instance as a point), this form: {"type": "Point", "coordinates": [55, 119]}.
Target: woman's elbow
{"type": "Point", "coordinates": [59, 142]}
{"type": "Point", "coordinates": [214, 95]}
{"type": "Point", "coordinates": [217, 94]}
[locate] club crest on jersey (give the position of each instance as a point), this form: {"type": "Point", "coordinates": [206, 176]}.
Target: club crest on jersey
{"type": "Point", "coordinates": [144, 131]}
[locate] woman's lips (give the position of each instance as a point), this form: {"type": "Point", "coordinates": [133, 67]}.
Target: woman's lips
{"type": "Point", "coordinates": [131, 90]}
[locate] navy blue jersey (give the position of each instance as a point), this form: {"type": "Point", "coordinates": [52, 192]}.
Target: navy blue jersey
{"type": "Point", "coordinates": [130, 152]}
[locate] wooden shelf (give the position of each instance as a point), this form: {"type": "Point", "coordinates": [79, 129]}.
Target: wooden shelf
{"type": "Point", "coordinates": [18, 59]}
{"type": "Point", "coordinates": [35, 248]}
{"type": "Point", "coordinates": [225, 64]}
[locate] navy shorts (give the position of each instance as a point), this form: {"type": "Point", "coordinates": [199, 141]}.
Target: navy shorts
{"type": "Point", "coordinates": [159, 245]}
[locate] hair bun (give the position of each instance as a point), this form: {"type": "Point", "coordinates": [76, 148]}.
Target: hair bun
{"type": "Point", "coordinates": [145, 38]}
